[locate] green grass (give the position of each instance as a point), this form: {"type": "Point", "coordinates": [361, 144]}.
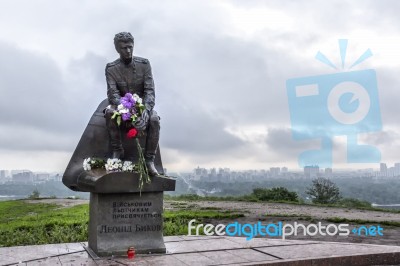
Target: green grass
{"type": "Point", "coordinates": [24, 223]}
{"type": "Point", "coordinates": [29, 224]}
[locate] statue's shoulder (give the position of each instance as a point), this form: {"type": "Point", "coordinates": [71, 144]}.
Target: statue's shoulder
{"type": "Point", "coordinates": [140, 60]}
{"type": "Point", "coordinates": [114, 63]}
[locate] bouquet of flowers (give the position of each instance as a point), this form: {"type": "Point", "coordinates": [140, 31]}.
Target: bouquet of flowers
{"type": "Point", "coordinates": [129, 109]}
{"type": "Point", "coordinates": [93, 163]}
{"type": "Point", "coordinates": [111, 165]}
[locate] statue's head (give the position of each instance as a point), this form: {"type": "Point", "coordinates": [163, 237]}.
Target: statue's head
{"type": "Point", "coordinates": [123, 42]}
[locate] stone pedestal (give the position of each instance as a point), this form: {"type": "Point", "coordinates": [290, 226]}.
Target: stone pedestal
{"type": "Point", "coordinates": [119, 221]}
{"type": "Point", "coordinates": [122, 216]}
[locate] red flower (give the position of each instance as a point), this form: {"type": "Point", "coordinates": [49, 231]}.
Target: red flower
{"type": "Point", "coordinates": [132, 133]}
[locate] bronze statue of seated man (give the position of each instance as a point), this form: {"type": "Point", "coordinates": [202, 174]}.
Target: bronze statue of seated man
{"type": "Point", "coordinates": [131, 74]}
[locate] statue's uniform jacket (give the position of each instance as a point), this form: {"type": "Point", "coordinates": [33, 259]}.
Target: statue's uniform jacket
{"type": "Point", "coordinates": [135, 77]}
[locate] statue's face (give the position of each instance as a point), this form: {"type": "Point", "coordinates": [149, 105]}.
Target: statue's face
{"type": "Point", "coordinates": [125, 50]}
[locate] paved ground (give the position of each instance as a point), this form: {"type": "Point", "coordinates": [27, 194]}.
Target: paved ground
{"type": "Point", "coordinates": [185, 250]}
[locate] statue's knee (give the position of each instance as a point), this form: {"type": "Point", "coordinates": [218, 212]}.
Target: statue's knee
{"type": "Point", "coordinates": [154, 120]}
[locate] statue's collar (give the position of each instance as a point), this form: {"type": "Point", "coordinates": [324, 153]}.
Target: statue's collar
{"type": "Point", "coordinates": [130, 64]}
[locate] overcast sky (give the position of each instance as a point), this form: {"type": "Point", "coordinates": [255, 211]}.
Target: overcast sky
{"type": "Point", "coordinates": [220, 70]}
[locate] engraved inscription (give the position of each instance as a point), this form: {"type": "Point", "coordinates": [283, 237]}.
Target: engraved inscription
{"type": "Point", "coordinates": [105, 229]}
{"type": "Point", "coordinates": [128, 212]}
{"type": "Point", "coordinates": [131, 210]}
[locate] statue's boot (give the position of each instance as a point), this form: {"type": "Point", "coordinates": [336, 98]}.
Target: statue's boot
{"type": "Point", "coordinates": [115, 137]}
{"type": "Point", "coordinates": [151, 169]}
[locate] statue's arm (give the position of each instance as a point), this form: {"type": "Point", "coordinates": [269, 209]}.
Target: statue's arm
{"type": "Point", "coordinates": [112, 90]}
{"type": "Point", "coordinates": [149, 90]}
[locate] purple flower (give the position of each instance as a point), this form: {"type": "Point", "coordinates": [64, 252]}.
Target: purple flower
{"type": "Point", "coordinates": [126, 116]}
{"type": "Point", "coordinates": [128, 96]}
{"type": "Point", "coordinates": [126, 103]}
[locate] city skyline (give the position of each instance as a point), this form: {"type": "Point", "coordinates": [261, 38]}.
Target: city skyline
{"type": "Point", "coordinates": [384, 167]}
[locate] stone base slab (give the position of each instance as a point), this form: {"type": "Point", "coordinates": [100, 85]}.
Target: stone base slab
{"type": "Point", "coordinates": [122, 220]}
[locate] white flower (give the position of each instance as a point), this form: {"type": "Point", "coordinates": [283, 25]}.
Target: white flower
{"type": "Point", "coordinates": [127, 166]}
{"type": "Point", "coordinates": [137, 98]}
{"type": "Point", "coordinates": [122, 109]}
{"type": "Point", "coordinates": [86, 164]}
{"type": "Point", "coordinates": [113, 165]}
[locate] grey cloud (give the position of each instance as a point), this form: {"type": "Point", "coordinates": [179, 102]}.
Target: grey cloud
{"type": "Point", "coordinates": [31, 87]}
{"type": "Point", "coordinates": [190, 130]}
{"type": "Point", "coordinates": [234, 78]}
{"type": "Point", "coordinates": [334, 16]}
{"type": "Point", "coordinates": [384, 138]}
{"type": "Point", "coordinates": [388, 89]}
{"type": "Point", "coordinates": [25, 138]}
{"type": "Point", "coordinates": [41, 108]}
{"type": "Point", "coordinates": [280, 141]}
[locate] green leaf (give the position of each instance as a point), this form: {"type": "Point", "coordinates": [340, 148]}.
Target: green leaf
{"type": "Point", "coordinates": [119, 120]}
{"type": "Point", "coordinates": [115, 115]}
{"type": "Point", "coordinates": [133, 117]}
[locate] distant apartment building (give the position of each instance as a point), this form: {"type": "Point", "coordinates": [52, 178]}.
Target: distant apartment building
{"type": "Point", "coordinates": [391, 172]}
{"type": "Point", "coordinates": [213, 172]}
{"type": "Point", "coordinates": [23, 177]}
{"type": "Point", "coordinates": [4, 177]}
{"type": "Point", "coordinates": [42, 177]}
{"type": "Point", "coordinates": [311, 171]}
{"type": "Point", "coordinates": [199, 173]}
{"type": "Point", "coordinates": [274, 171]}
{"type": "Point", "coordinates": [383, 169]}
{"type": "Point", "coordinates": [397, 169]}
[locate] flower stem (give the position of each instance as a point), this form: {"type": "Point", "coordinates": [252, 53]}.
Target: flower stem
{"type": "Point", "coordinates": [143, 173]}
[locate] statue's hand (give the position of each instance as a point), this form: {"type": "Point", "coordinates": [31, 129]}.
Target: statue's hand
{"type": "Point", "coordinates": [146, 116]}
{"type": "Point", "coordinates": [141, 122]}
